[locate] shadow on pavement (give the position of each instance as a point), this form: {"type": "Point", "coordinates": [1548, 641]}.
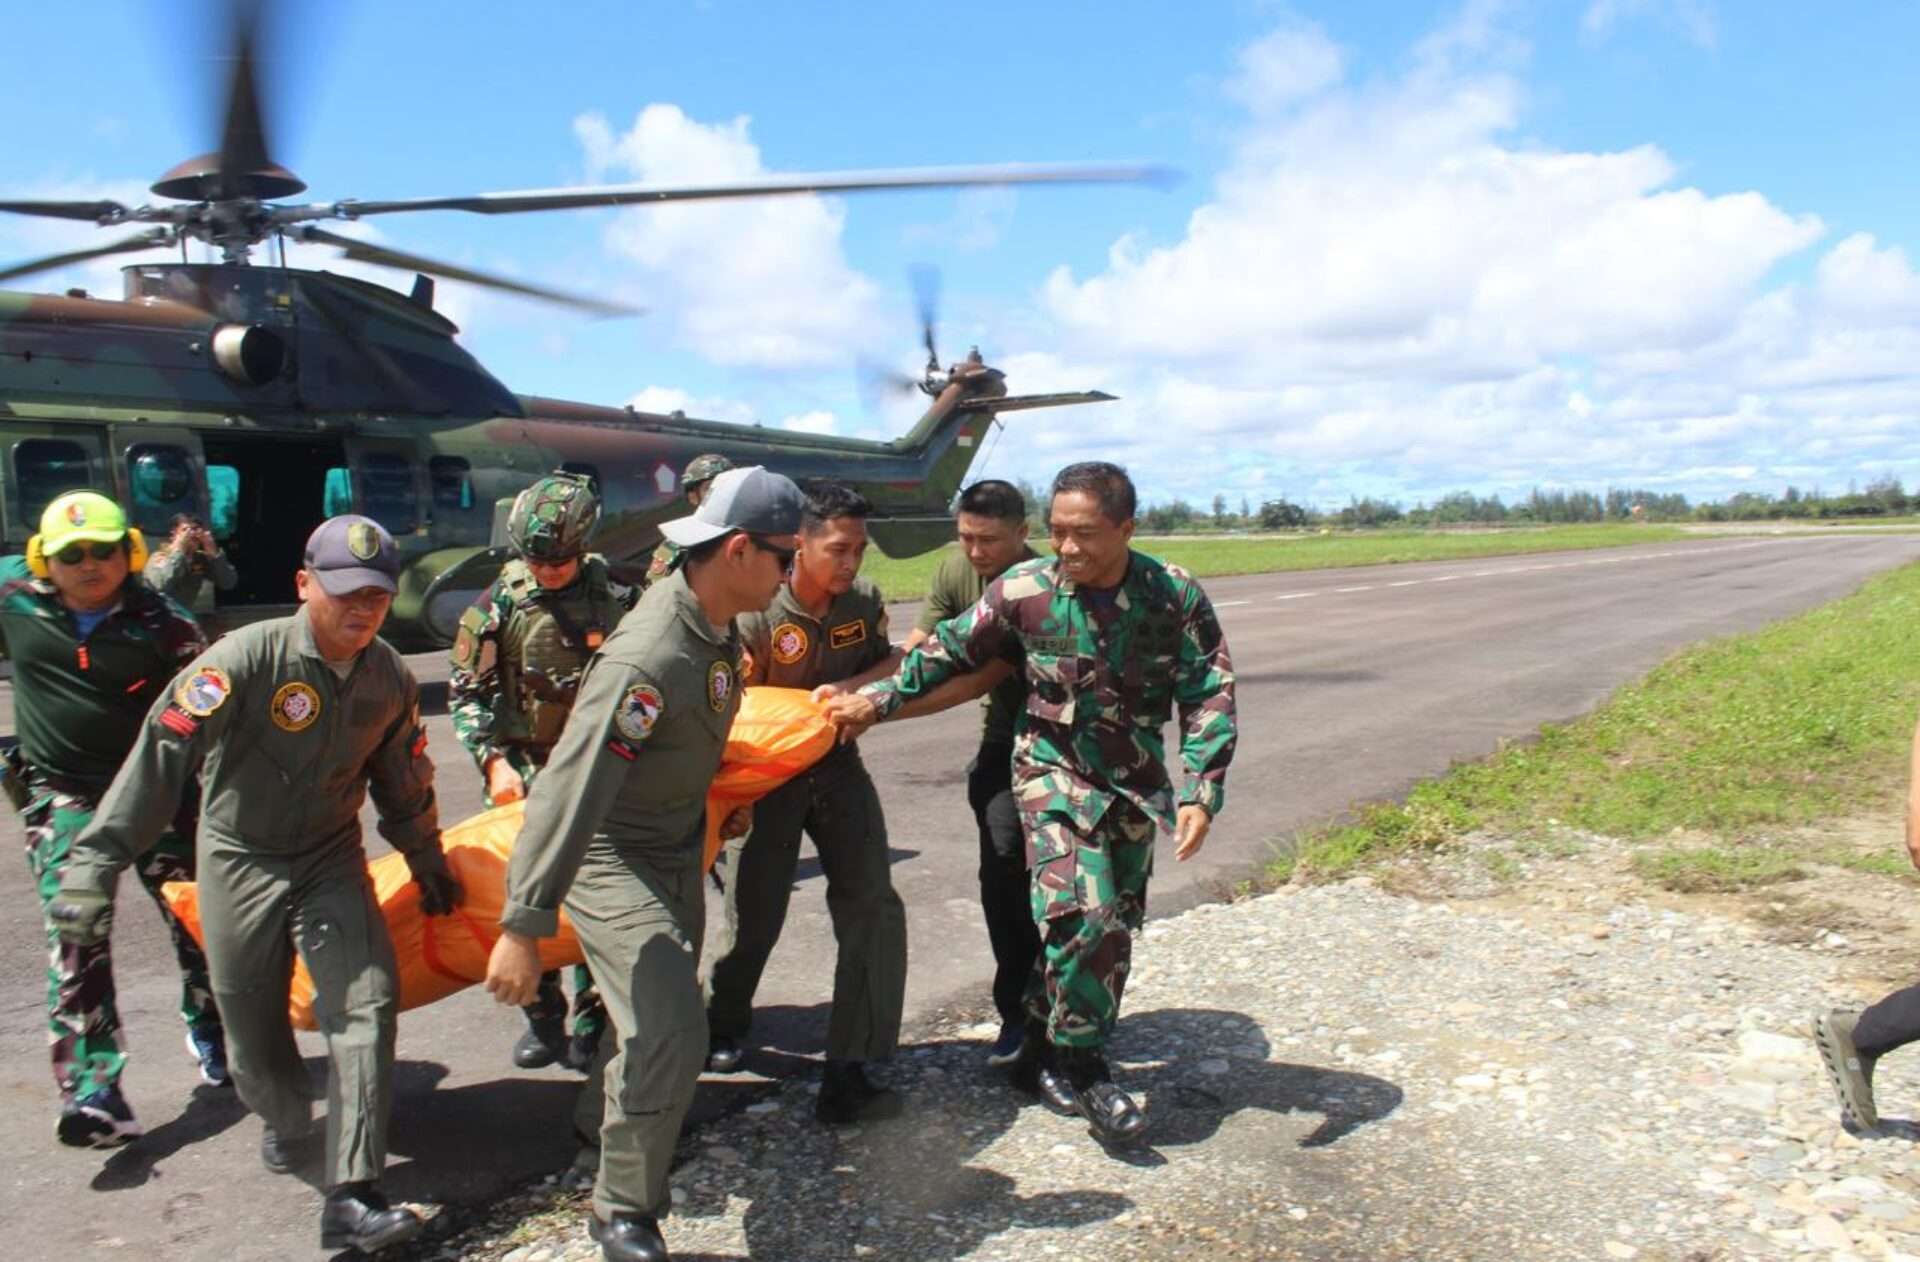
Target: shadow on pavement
{"type": "Point", "coordinates": [209, 1111]}
{"type": "Point", "coordinates": [915, 1167]}
{"type": "Point", "coordinates": [1222, 1068]}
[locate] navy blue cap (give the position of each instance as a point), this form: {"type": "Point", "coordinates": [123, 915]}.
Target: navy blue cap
{"type": "Point", "coordinates": [350, 552]}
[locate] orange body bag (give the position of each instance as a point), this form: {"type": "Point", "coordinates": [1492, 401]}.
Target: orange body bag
{"type": "Point", "coordinates": [777, 734]}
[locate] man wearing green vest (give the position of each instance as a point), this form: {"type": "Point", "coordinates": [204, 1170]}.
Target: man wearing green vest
{"type": "Point", "coordinates": [826, 624]}
{"type": "Point", "coordinates": [288, 724]}
{"type": "Point", "coordinates": [91, 647]}
{"type": "Point", "coordinates": [616, 829]}
{"type": "Point", "coordinates": [517, 660]}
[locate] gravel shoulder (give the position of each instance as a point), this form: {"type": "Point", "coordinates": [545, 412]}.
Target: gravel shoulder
{"type": "Point", "coordinates": [1513, 1049]}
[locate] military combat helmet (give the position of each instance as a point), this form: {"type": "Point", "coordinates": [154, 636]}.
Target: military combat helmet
{"type": "Point", "coordinates": [552, 518]}
{"type": "Point", "coordinates": [703, 469]}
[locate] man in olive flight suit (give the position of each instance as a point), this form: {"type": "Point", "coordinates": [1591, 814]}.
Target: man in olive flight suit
{"type": "Point", "coordinates": [289, 723]}
{"type": "Point", "coordinates": [694, 483]}
{"type": "Point", "coordinates": [827, 624]}
{"type": "Point", "coordinates": [616, 827]}
{"type": "Point", "coordinates": [517, 660]}
{"type": "Point", "coordinates": [91, 647]}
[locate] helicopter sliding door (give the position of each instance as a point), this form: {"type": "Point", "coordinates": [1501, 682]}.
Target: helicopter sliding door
{"type": "Point", "coordinates": [42, 461]}
{"type": "Point", "coordinates": [266, 493]}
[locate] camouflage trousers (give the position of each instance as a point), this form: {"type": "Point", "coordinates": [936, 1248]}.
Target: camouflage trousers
{"type": "Point", "coordinates": [1088, 902]}
{"type": "Point", "coordinates": [83, 1021]}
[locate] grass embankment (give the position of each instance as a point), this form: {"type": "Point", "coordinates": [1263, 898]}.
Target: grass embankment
{"type": "Point", "coordinates": [1805, 720]}
{"type": "Point", "coordinates": [1263, 554]}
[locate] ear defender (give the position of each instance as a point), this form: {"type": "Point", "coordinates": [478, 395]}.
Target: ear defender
{"type": "Point", "coordinates": [135, 544]}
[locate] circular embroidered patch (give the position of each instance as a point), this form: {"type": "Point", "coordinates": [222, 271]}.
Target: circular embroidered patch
{"type": "Point", "coordinates": [719, 685]}
{"type": "Point", "coordinates": [789, 643]}
{"type": "Point", "coordinates": [203, 692]}
{"type": "Point", "coordinates": [363, 540]}
{"type": "Point", "coordinates": [295, 707]}
{"type": "Point", "coordinates": [76, 514]}
{"type": "Point", "coordinates": [639, 710]}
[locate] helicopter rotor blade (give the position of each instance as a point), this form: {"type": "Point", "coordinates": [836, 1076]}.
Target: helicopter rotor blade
{"type": "Point", "coordinates": [515, 203]}
{"type": "Point", "coordinates": [366, 252]}
{"type": "Point", "coordinates": [241, 166]}
{"type": "Point", "coordinates": [152, 238]}
{"type": "Point", "coordinates": [926, 298]}
{"type": "Point", "coordinates": [101, 212]}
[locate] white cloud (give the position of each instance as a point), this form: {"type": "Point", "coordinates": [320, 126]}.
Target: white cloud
{"type": "Point", "coordinates": [761, 282]}
{"type": "Point", "coordinates": [1391, 290]}
{"type": "Point", "coordinates": [1694, 19]}
{"type": "Point", "coordinates": [811, 423]}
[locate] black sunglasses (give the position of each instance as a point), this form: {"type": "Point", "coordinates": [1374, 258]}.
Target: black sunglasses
{"type": "Point", "coordinates": [73, 553]}
{"type": "Point", "coordinates": [783, 555]}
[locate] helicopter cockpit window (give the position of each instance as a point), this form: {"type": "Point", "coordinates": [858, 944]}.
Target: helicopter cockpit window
{"type": "Point", "coordinates": [452, 482]}
{"type": "Point", "coordinates": [587, 471]}
{"type": "Point", "coordinates": [161, 476]}
{"type": "Point", "coordinates": [386, 491]}
{"type": "Point", "coordinates": [45, 467]}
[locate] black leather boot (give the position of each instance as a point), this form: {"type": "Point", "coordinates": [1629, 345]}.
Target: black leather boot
{"type": "Point", "coordinates": [544, 1042]}
{"type": "Point", "coordinates": [280, 1153]}
{"type": "Point", "coordinates": [629, 1238]}
{"type": "Point", "coordinates": [1035, 1073]}
{"type": "Point", "coordinates": [1111, 1114]}
{"type": "Point", "coordinates": [847, 1096]}
{"type": "Point", "coordinates": [356, 1216]}
{"type": "Point", "coordinates": [724, 1054]}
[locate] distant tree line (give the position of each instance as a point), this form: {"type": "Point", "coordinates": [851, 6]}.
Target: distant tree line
{"type": "Point", "coordinates": [1884, 496]}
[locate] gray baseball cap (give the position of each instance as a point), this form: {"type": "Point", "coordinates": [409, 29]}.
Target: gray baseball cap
{"type": "Point", "coordinates": [754, 499]}
{"type": "Point", "coordinates": [350, 552]}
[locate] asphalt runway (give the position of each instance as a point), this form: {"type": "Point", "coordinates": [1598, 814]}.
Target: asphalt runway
{"type": "Point", "coordinates": [1353, 685]}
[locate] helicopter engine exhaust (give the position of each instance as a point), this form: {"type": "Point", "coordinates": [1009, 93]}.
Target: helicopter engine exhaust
{"type": "Point", "coordinates": [248, 353]}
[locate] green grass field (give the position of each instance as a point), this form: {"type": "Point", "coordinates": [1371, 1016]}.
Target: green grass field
{"type": "Point", "coordinates": [1807, 719]}
{"type": "Point", "coordinates": [1261, 554]}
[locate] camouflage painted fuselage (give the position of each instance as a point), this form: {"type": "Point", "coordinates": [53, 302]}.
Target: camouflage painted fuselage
{"type": "Point", "coordinates": [220, 364]}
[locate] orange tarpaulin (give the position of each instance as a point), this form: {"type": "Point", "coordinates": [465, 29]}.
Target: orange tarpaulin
{"type": "Point", "coordinates": [777, 734]}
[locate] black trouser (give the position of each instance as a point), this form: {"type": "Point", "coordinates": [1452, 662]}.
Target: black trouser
{"type": "Point", "coordinates": [1892, 1023]}
{"type": "Point", "coordinates": [1005, 897]}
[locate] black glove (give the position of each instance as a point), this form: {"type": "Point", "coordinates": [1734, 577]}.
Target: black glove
{"type": "Point", "coordinates": [439, 892]}
{"type": "Point", "coordinates": [81, 916]}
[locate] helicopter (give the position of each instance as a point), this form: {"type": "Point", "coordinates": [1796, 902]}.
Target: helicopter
{"type": "Point", "coordinates": [263, 398]}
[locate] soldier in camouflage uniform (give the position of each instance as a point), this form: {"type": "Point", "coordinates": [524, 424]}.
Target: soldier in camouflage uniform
{"type": "Point", "coordinates": [1111, 639]}
{"type": "Point", "coordinates": [91, 647]}
{"type": "Point", "coordinates": [517, 661]}
{"type": "Point", "coordinates": [699, 475]}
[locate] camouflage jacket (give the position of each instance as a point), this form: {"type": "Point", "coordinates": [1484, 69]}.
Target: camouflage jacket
{"type": "Point", "coordinates": [474, 685]}
{"type": "Point", "coordinates": [1103, 674]}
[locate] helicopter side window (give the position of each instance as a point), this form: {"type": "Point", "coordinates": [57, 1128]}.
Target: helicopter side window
{"type": "Point", "coordinates": [587, 471]}
{"type": "Point", "coordinates": [452, 481]}
{"type": "Point", "coordinates": [161, 476]}
{"type": "Point", "coordinates": [386, 490]}
{"type": "Point", "coordinates": [223, 500]}
{"type": "Point", "coordinates": [337, 498]}
{"type": "Point", "coordinates": [44, 468]}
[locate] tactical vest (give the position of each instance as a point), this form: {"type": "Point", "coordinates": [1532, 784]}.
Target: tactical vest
{"type": "Point", "coordinates": [544, 646]}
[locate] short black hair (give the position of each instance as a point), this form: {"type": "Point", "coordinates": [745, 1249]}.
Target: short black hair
{"type": "Point", "coordinates": [1107, 483]}
{"type": "Point", "coordinates": [704, 551]}
{"type": "Point", "coordinates": [185, 519]}
{"type": "Point", "coordinates": [990, 497]}
{"type": "Point", "coordinates": [827, 500]}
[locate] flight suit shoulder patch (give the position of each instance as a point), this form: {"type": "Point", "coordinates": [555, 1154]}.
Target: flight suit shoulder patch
{"type": "Point", "coordinates": [789, 642]}
{"type": "Point", "coordinates": [203, 691]}
{"type": "Point", "coordinates": [639, 710]}
{"type": "Point", "coordinates": [178, 721]}
{"type": "Point", "coordinates": [295, 706]}
{"type": "Point", "coordinates": [720, 685]}
{"type": "Point", "coordinates": [848, 634]}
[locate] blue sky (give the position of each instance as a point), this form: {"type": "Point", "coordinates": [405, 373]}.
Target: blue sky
{"type": "Point", "coordinates": [1417, 247]}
